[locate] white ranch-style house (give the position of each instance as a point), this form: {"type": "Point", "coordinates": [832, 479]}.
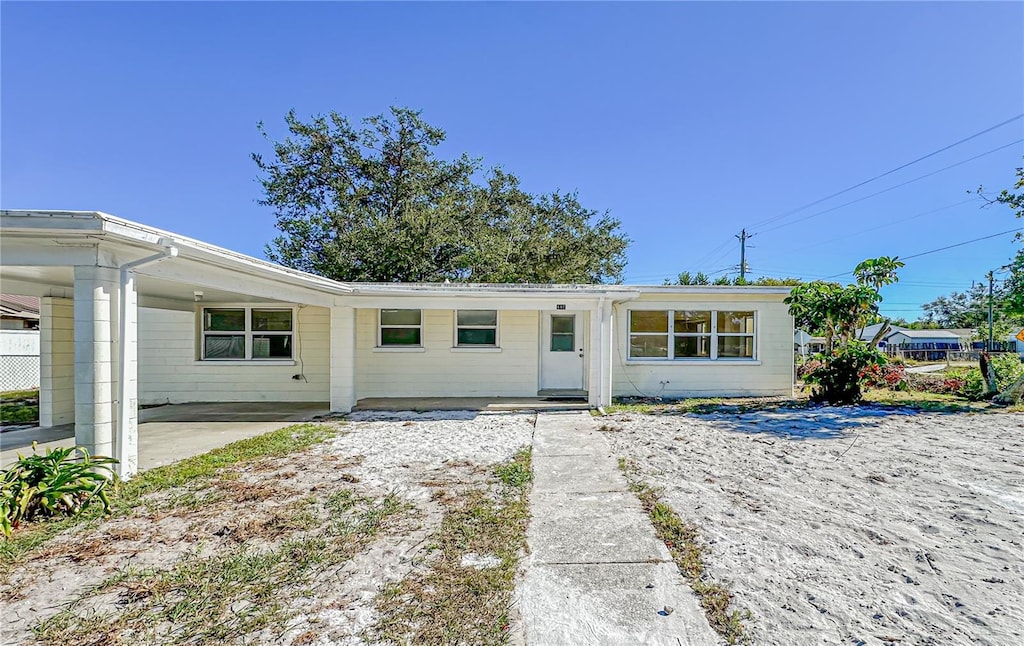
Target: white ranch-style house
{"type": "Point", "coordinates": [132, 315]}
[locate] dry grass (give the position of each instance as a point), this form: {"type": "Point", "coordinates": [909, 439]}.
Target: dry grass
{"type": "Point", "coordinates": [448, 602]}
{"type": "Point", "coordinates": [687, 549]}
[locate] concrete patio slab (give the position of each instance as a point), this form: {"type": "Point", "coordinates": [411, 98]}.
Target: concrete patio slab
{"type": "Point", "coordinates": [469, 403]}
{"type": "Point", "coordinates": [611, 604]}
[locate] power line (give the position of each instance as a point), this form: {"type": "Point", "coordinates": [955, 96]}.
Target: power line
{"type": "Point", "coordinates": [888, 224]}
{"type": "Point", "coordinates": [952, 246]}
{"type": "Point", "coordinates": [891, 188]}
{"type": "Point", "coordinates": [888, 172]}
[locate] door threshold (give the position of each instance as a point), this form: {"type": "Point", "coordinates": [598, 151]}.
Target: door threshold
{"type": "Point", "coordinates": [563, 393]}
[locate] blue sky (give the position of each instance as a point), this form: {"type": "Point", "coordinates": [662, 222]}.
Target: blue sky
{"type": "Point", "coordinates": [688, 121]}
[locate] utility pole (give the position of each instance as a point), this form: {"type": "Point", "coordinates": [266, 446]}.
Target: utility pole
{"type": "Point", "coordinates": [743, 253]}
{"type": "Point", "coordinates": [991, 346]}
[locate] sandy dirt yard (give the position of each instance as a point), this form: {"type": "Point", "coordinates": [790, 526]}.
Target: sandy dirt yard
{"type": "Point", "coordinates": [113, 581]}
{"type": "Point", "coordinates": [851, 525]}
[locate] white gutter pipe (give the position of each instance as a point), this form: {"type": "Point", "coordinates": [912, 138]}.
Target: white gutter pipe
{"type": "Point", "coordinates": [128, 464]}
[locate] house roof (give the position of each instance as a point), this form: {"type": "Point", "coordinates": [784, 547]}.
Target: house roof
{"type": "Point", "coordinates": [226, 270]}
{"type": "Point", "coordinates": [931, 334]}
{"type": "Point", "coordinates": [15, 306]}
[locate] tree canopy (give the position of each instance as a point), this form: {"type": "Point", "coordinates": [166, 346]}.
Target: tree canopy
{"type": "Point", "coordinates": [700, 278]}
{"type": "Point", "coordinates": [377, 203]}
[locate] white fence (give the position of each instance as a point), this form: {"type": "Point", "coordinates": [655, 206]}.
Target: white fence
{"type": "Point", "coordinates": [19, 359]}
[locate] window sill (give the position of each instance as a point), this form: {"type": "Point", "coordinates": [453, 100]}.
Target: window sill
{"type": "Point", "coordinates": [398, 348]}
{"type": "Point", "coordinates": [483, 348]}
{"type": "Point", "coordinates": [244, 362]}
{"type": "Point", "coordinates": [693, 362]}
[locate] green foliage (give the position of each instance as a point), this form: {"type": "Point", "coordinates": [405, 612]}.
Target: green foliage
{"type": "Point", "coordinates": [843, 373]}
{"type": "Point", "coordinates": [1008, 368]}
{"type": "Point", "coordinates": [831, 310]}
{"type": "Point", "coordinates": [375, 203]}
{"type": "Point", "coordinates": [878, 272]}
{"type": "Point", "coordinates": [969, 310]}
{"type": "Point", "coordinates": [700, 278]}
{"type": "Point", "coordinates": [62, 482]}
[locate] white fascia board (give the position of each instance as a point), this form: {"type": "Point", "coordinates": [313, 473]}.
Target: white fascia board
{"type": "Point", "coordinates": [36, 221]}
{"type": "Point", "coordinates": [712, 289]}
{"type": "Point", "coordinates": [492, 301]}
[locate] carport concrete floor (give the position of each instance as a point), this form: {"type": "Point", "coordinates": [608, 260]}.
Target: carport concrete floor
{"type": "Point", "coordinates": [170, 433]}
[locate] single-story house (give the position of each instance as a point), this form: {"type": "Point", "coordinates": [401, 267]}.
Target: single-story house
{"type": "Point", "coordinates": [19, 312]}
{"type": "Point", "coordinates": [132, 315]}
{"type": "Point", "coordinates": [926, 339]}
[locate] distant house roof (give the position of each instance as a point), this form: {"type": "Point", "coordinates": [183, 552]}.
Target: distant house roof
{"type": "Point", "coordinates": [931, 334]}
{"type": "Point", "coordinates": [871, 330]}
{"type": "Point", "coordinates": [24, 307]}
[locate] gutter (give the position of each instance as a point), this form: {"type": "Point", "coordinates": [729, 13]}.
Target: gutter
{"type": "Point", "coordinates": [128, 462]}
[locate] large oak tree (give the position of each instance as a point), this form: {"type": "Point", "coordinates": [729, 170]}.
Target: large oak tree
{"type": "Point", "coordinates": [378, 203]}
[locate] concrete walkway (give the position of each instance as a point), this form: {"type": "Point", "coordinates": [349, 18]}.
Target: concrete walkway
{"type": "Point", "coordinates": [597, 574]}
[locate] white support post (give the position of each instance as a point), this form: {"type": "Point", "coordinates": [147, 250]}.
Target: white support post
{"type": "Point", "coordinates": [343, 359]}
{"type": "Point", "coordinates": [608, 343]}
{"type": "Point", "coordinates": [596, 348]}
{"type": "Point", "coordinates": [126, 442]}
{"type": "Point", "coordinates": [96, 319]}
{"type": "Point", "coordinates": [56, 361]}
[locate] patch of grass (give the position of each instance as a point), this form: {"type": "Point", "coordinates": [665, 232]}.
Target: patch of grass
{"type": "Point", "coordinates": [704, 405]}
{"type": "Point", "coordinates": [234, 592]}
{"type": "Point", "coordinates": [194, 471]}
{"type": "Point", "coordinates": [918, 400]}
{"type": "Point", "coordinates": [687, 550]}
{"type": "Point", "coordinates": [17, 395]}
{"type": "Point", "coordinates": [18, 413]}
{"type": "Point", "coordinates": [451, 603]}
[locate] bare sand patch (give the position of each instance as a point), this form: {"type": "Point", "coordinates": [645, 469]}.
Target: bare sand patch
{"type": "Point", "coordinates": [255, 509]}
{"type": "Point", "coordinates": [851, 525]}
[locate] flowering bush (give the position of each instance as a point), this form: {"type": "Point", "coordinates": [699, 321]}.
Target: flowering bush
{"type": "Point", "coordinates": [839, 377]}
{"type": "Point", "coordinates": [808, 367]}
{"type": "Point", "coordinates": [889, 375]}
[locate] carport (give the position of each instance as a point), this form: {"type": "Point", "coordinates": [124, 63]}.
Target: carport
{"type": "Point", "coordinates": [93, 271]}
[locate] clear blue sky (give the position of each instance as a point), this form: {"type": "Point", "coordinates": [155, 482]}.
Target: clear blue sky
{"type": "Point", "coordinates": [688, 121]}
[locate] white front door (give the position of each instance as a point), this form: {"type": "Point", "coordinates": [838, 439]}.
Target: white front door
{"type": "Point", "coordinates": [562, 350]}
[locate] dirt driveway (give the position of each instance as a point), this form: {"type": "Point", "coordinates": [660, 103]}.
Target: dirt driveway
{"type": "Point", "coordinates": [851, 526]}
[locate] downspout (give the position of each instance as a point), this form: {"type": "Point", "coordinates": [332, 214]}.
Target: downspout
{"type": "Point", "coordinates": [124, 406]}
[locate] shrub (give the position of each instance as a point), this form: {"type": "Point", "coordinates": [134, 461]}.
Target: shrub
{"type": "Point", "coordinates": [64, 481]}
{"type": "Point", "coordinates": [929, 382]}
{"type": "Point", "coordinates": [885, 375]}
{"type": "Point", "coordinates": [807, 367]}
{"type": "Point", "coordinates": [842, 373]}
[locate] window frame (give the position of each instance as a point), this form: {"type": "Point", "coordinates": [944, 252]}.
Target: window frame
{"type": "Point", "coordinates": [470, 346]}
{"type": "Point", "coordinates": [247, 332]}
{"type": "Point", "coordinates": [381, 326]}
{"type": "Point", "coordinates": [713, 337]}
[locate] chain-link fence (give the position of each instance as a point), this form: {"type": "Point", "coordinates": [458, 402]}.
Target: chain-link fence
{"type": "Point", "coordinates": [19, 371]}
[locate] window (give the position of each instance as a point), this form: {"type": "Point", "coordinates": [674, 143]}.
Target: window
{"type": "Point", "coordinates": [563, 333]}
{"type": "Point", "coordinates": [243, 333]}
{"type": "Point", "coordinates": [476, 328]}
{"type": "Point", "coordinates": [694, 334]}
{"type": "Point", "coordinates": [401, 328]}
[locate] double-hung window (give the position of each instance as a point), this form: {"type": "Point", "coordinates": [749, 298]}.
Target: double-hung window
{"type": "Point", "coordinates": [476, 328]}
{"type": "Point", "coordinates": [400, 328]}
{"type": "Point", "coordinates": [245, 333]}
{"type": "Point", "coordinates": [691, 334]}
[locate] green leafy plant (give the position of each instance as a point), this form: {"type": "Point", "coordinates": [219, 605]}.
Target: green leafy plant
{"type": "Point", "coordinates": [61, 482]}
{"type": "Point", "coordinates": [844, 372]}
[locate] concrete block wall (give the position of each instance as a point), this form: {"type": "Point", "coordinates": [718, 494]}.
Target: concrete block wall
{"type": "Point", "coordinates": [56, 361]}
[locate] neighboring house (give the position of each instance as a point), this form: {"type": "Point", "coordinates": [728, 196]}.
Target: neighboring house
{"type": "Point", "coordinates": [869, 332]}
{"type": "Point", "coordinates": [926, 340]}
{"type": "Point", "coordinates": [19, 342]}
{"type": "Point", "coordinates": [19, 312]}
{"type": "Point", "coordinates": [134, 315]}
{"type": "Point", "coordinates": [806, 345]}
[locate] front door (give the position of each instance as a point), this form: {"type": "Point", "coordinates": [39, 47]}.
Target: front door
{"type": "Point", "coordinates": [562, 361]}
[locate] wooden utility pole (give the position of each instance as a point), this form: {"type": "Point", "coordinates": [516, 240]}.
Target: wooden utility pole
{"type": "Point", "coordinates": [743, 254]}
{"type": "Point", "coordinates": [991, 345]}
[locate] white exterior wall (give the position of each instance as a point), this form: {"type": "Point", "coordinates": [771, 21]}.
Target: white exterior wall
{"type": "Point", "coordinates": [770, 374]}
{"type": "Point", "coordinates": [19, 359]}
{"type": "Point", "coordinates": [56, 361]}
{"type": "Point", "coordinates": [170, 373]}
{"type": "Point", "coordinates": [438, 371]}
